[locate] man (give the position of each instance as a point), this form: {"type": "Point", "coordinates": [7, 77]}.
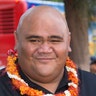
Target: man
{"type": "Point", "coordinates": [41, 66]}
{"type": "Point", "coordinates": [93, 65]}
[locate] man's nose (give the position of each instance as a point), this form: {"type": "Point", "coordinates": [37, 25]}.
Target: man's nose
{"type": "Point", "coordinates": [45, 48]}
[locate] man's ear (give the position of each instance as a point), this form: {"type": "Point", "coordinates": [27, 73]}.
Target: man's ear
{"type": "Point", "coordinates": [69, 40]}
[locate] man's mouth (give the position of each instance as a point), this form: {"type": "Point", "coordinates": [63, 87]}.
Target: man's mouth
{"type": "Point", "coordinates": [45, 60]}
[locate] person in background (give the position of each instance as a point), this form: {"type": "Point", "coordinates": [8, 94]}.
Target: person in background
{"type": "Point", "coordinates": [93, 65]}
{"type": "Point", "coordinates": [40, 65]}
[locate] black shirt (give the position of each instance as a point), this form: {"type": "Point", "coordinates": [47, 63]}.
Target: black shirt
{"type": "Point", "coordinates": [87, 84]}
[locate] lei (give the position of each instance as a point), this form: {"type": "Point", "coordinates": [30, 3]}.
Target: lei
{"type": "Point", "coordinates": [19, 83]}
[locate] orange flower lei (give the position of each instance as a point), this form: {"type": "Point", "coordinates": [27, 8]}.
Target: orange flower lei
{"type": "Point", "coordinates": [20, 84]}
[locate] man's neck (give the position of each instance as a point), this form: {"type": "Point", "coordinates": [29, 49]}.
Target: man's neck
{"type": "Point", "coordinates": [50, 86]}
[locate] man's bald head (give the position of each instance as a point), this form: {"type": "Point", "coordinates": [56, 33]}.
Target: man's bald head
{"type": "Point", "coordinates": [42, 44]}
{"type": "Point", "coordinates": [37, 13]}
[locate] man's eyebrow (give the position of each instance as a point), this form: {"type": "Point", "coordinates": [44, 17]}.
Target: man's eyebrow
{"type": "Point", "coordinates": [54, 36]}
{"type": "Point", "coordinates": [33, 36]}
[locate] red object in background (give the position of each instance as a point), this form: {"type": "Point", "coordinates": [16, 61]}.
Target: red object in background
{"type": "Point", "coordinates": [10, 12]}
{"type": "Point", "coordinates": [6, 42]}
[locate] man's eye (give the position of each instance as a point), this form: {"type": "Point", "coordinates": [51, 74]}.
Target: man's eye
{"type": "Point", "coordinates": [34, 40]}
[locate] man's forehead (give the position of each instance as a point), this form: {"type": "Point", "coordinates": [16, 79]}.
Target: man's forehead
{"type": "Point", "coordinates": [43, 13]}
{"type": "Point", "coordinates": [40, 11]}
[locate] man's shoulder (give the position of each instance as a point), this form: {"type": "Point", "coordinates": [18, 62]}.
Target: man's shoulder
{"type": "Point", "coordinates": [3, 75]}
{"type": "Point", "coordinates": [4, 79]}
{"type": "Point", "coordinates": [6, 87]}
{"type": "Point", "coordinates": [2, 72]}
{"type": "Point", "coordinates": [86, 75]}
{"type": "Point", "coordinates": [87, 83]}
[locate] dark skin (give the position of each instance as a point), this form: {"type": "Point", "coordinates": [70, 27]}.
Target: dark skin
{"type": "Point", "coordinates": [43, 43]}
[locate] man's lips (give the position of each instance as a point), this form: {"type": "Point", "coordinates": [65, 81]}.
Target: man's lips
{"type": "Point", "coordinates": [45, 59]}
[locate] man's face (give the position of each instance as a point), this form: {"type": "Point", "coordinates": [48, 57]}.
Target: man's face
{"type": "Point", "coordinates": [43, 48]}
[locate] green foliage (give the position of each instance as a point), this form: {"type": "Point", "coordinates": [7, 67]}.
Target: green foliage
{"type": "Point", "coordinates": [92, 6]}
{"type": "Point", "coordinates": [92, 10]}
